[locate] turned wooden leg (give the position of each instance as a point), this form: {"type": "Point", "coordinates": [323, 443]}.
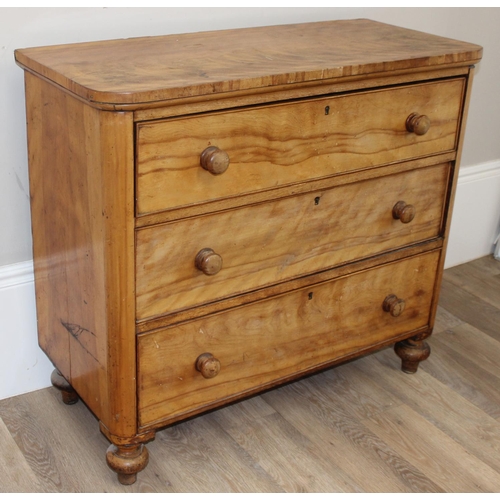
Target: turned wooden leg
{"type": "Point", "coordinates": [69, 396]}
{"type": "Point", "coordinates": [411, 352]}
{"type": "Point", "coordinates": [127, 461]}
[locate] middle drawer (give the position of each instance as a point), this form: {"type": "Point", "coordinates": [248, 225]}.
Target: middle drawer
{"type": "Point", "coordinates": [260, 245]}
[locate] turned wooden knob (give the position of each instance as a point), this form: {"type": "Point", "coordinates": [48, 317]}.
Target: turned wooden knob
{"type": "Point", "coordinates": [208, 261]}
{"type": "Point", "coordinates": [207, 365]}
{"type": "Point", "coordinates": [405, 213]}
{"type": "Point", "coordinates": [418, 124]}
{"type": "Point", "coordinates": [214, 160]}
{"type": "Point", "coordinates": [393, 305]}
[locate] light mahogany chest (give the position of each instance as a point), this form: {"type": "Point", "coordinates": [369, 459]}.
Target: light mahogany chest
{"type": "Point", "coordinates": [218, 213]}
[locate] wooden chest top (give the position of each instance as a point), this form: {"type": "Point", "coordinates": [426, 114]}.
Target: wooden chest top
{"type": "Point", "coordinates": [149, 69]}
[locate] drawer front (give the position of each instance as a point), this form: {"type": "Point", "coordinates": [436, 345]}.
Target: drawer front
{"type": "Point", "coordinates": [270, 340]}
{"type": "Point", "coordinates": [276, 241]}
{"type": "Point", "coordinates": [289, 143]}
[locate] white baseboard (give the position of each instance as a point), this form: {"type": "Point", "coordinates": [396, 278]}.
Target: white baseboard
{"type": "Point", "coordinates": [24, 367]}
{"type": "Point", "coordinates": [476, 215]}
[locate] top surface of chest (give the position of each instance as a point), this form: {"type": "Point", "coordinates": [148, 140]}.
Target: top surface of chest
{"type": "Point", "coordinates": [151, 69]}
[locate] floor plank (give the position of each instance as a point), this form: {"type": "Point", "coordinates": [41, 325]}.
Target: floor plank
{"type": "Point", "coordinates": [480, 349]}
{"type": "Point", "coordinates": [464, 422]}
{"type": "Point", "coordinates": [487, 265]}
{"type": "Point", "coordinates": [200, 457]}
{"type": "Point", "coordinates": [470, 309]}
{"type": "Point", "coordinates": [484, 286]}
{"type": "Point", "coordinates": [287, 455]}
{"type": "Point", "coordinates": [345, 441]}
{"type": "Point", "coordinates": [434, 453]}
{"type": "Point", "coordinates": [355, 392]}
{"type": "Point", "coordinates": [15, 472]}
{"type": "Point", "coordinates": [63, 445]}
{"type": "Point", "coordinates": [453, 366]}
{"type": "Point", "coordinates": [445, 320]}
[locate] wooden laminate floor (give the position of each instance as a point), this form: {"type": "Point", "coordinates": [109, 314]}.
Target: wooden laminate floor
{"type": "Point", "coordinates": [361, 427]}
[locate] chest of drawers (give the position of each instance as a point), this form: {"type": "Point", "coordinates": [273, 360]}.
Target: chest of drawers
{"type": "Point", "coordinates": [218, 213]}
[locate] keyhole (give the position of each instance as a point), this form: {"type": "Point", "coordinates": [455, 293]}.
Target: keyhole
{"type": "Point", "coordinates": [316, 200]}
{"type": "Point", "coordinates": [327, 110]}
{"type": "Point", "coordinates": [310, 295]}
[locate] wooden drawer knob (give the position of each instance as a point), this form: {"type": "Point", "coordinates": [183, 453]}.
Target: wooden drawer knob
{"type": "Point", "coordinates": [214, 160]}
{"type": "Point", "coordinates": [208, 261]}
{"type": "Point", "coordinates": [418, 124]}
{"type": "Point", "coordinates": [405, 213]}
{"type": "Point", "coordinates": [393, 305]}
{"type": "Point", "coordinates": [207, 365]}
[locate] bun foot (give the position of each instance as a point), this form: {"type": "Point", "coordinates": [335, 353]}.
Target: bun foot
{"type": "Point", "coordinates": [127, 461]}
{"type": "Point", "coordinates": [411, 353]}
{"type": "Point", "coordinates": [69, 395]}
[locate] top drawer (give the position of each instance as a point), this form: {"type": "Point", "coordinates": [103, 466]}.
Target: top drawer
{"type": "Point", "coordinates": [288, 143]}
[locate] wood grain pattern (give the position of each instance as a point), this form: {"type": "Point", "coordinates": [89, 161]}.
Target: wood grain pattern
{"type": "Point", "coordinates": [270, 340]}
{"type": "Point", "coordinates": [290, 143]}
{"type": "Point", "coordinates": [355, 392]}
{"type": "Point", "coordinates": [455, 468]}
{"type": "Point", "coordinates": [236, 99]}
{"type": "Point", "coordinates": [69, 271]}
{"type": "Point", "coordinates": [46, 431]}
{"type": "Point", "coordinates": [474, 281]}
{"type": "Point", "coordinates": [289, 190]}
{"type": "Point", "coordinates": [117, 153]}
{"type": "Point", "coordinates": [287, 455]}
{"type": "Point", "coordinates": [288, 286]}
{"type": "Point", "coordinates": [139, 70]}
{"type": "Point", "coordinates": [17, 475]}
{"type": "Point", "coordinates": [346, 441]}
{"type": "Point", "coordinates": [454, 367]}
{"type": "Point", "coordinates": [470, 309]}
{"type": "Point", "coordinates": [212, 461]}
{"type": "Point", "coordinates": [448, 411]}
{"type": "Point", "coordinates": [483, 351]}
{"type": "Point", "coordinates": [445, 320]}
{"type": "Point", "coordinates": [486, 266]}
{"type": "Point", "coordinates": [301, 235]}
{"type": "Point", "coordinates": [84, 247]}
{"type": "Point", "coordinates": [42, 459]}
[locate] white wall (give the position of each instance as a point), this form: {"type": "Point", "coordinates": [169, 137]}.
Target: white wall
{"type": "Point", "coordinates": [476, 219]}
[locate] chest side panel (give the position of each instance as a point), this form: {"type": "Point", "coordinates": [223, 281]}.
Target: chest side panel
{"type": "Point", "coordinates": [79, 217]}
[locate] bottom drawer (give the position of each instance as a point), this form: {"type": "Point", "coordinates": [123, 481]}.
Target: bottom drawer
{"type": "Point", "coordinates": [274, 339]}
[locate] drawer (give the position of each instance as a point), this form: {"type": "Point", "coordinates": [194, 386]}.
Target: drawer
{"type": "Point", "coordinates": [288, 143]}
{"type": "Point", "coordinates": [265, 342]}
{"type": "Point", "coordinates": [277, 241]}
